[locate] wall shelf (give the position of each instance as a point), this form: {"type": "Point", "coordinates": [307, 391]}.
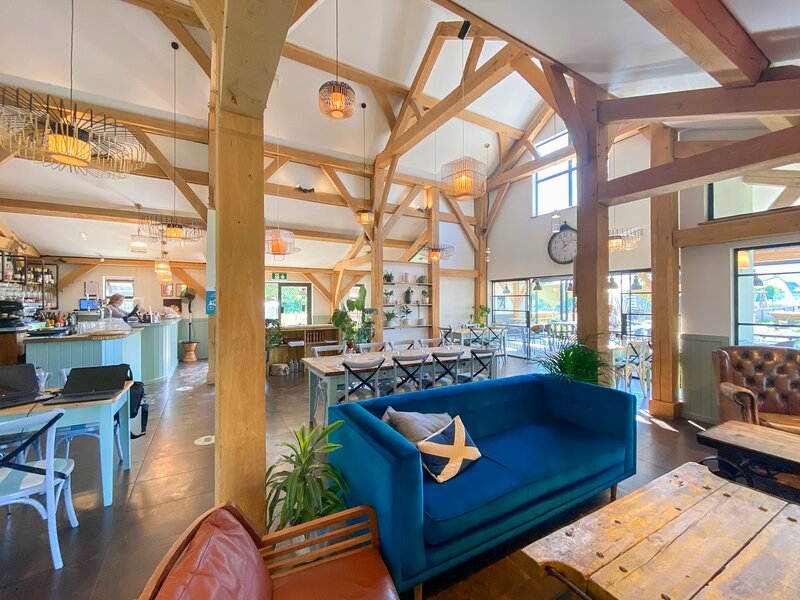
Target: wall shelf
{"type": "Point", "coordinates": [407, 283]}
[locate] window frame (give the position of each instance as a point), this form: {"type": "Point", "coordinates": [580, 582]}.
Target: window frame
{"type": "Point", "coordinates": [281, 284]}
{"type": "Point", "coordinates": [127, 302]}
{"type": "Point", "coordinates": [736, 276]}
{"type": "Point", "coordinates": [570, 169]}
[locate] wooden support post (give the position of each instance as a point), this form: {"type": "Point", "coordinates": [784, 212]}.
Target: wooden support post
{"type": "Point", "coordinates": [591, 263]}
{"type": "Point", "coordinates": [434, 197]}
{"type": "Point", "coordinates": [377, 280]}
{"type": "Point", "coordinates": [253, 35]}
{"type": "Point", "coordinates": [665, 259]}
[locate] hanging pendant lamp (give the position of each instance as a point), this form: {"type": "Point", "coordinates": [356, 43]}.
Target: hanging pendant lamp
{"type": "Point", "coordinates": [279, 242]}
{"type": "Point", "coordinates": [161, 265]}
{"type": "Point", "coordinates": [365, 216]}
{"type": "Point", "coordinates": [463, 178]}
{"type": "Point", "coordinates": [337, 100]}
{"type": "Point", "coordinates": [138, 241]}
{"type": "Point", "coordinates": [55, 133]}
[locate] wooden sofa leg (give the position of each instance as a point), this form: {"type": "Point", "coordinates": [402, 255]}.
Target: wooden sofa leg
{"type": "Point", "coordinates": [418, 592]}
{"type": "Point", "coordinates": [613, 491]}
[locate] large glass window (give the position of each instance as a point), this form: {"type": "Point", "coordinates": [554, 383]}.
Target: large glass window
{"type": "Point", "coordinates": [767, 295]}
{"type": "Point", "coordinates": [510, 307]}
{"type": "Point", "coordinates": [119, 285]}
{"type": "Point", "coordinates": [756, 192]}
{"type": "Point", "coordinates": [291, 302]}
{"type": "Point", "coordinates": [630, 305]}
{"type": "Point", "coordinates": [554, 188]}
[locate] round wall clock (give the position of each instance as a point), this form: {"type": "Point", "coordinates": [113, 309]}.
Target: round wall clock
{"type": "Point", "coordinates": [563, 245]}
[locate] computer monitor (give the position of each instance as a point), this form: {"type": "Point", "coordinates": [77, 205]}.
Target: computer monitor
{"type": "Point", "coordinates": [88, 304]}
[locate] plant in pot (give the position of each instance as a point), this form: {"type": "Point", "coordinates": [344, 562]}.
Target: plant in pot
{"type": "Point", "coordinates": [480, 315]}
{"type": "Point", "coordinates": [422, 279]}
{"type": "Point", "coordinates": [273, 336]}
{"type": "Point", "coordinates": [354, 320]}
{"type": "Point", "coordinates": [388, 317]}
{"type": "Point", "coordinates": [388, 296]}
{"type": "Point", "coordinates": [302, 485]}
{"type": "Point", "coordinates": [409, 295]}
{"type": "Point", "coordinates": [573, 359]}
{"type": "Point", "coordinates": [426, 297]}
{"type": "Point", "coordinates": [404, 312]}
{"type": "Point", "coordinates": [388, 277]}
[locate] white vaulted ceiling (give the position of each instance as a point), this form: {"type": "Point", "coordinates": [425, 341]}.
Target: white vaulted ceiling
{"type": "Point", "coordinates": [123, 60]}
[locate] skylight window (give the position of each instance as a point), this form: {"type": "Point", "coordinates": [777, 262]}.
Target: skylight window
{"type": "Point", "coordinates": [553, 143]}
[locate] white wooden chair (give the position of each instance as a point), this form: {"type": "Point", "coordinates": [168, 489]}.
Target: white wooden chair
{"type": "Point", "coordinates": [365, 347]}
{"type": "Point", "coordinates": [21, 482]}
{"type": "Point", "coordinates": [431, 342]}
{"type": "Point", "coordinates": [481, 365]}
{"type": "Point", "coordinates": [409, 370]}
{"type": "Point", "coordinates": [321, 393]}
{"type": "Point", "coordinates": [398, 345]}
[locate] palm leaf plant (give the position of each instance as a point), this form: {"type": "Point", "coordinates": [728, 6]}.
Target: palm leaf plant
{"type": "Point", "coordinates": [302, 486]}
{"type": "Point", "coordinates": [574, 359]}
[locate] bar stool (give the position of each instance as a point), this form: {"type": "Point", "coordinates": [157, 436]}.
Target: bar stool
{"type": "Point", "coordinates": [413, 370]}
{"type": "Point", "coordinates": [481, 365]}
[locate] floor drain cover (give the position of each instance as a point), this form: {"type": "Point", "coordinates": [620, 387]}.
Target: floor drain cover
{"type": "Point", "coordinates": [185, 388]}
{"type": "Point", "coordinates": [206, 440]}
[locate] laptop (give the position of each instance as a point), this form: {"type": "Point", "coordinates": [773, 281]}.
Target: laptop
{"type": "Point", "coordinates": [18, 385]}
{"type": "Point", "coordinates": [85, 384]}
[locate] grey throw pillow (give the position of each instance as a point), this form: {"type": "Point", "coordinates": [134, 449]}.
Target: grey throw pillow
{"type": "Point", "coordinates": [415, 426]}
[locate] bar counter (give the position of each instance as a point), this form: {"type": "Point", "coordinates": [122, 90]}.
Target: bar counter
{"type": "Point", "coordinates": [159, 349]}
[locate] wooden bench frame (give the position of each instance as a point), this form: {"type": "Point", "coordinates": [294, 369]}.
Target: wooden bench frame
{"type": "Point", "coordinates": [325, 539]}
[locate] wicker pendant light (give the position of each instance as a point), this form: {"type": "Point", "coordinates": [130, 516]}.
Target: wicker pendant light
{"type": "Point", "coordinates": [279, 242]}
{"type": "Point", "coordinates": [337, 100]}
{"type": "Point", "coordinates": [138, 241]}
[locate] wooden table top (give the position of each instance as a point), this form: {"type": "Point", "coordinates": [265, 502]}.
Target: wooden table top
{"type": "Point", "coordinates": [25, 409]}
{"type": "Point", "coordinates": [754, 438]}
{"type": "Point", "coordinates": [686, 535]}
{"type": "Point", "coordinates": [330, 366]}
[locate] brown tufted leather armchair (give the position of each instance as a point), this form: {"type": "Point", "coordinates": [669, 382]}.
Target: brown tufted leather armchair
{"type": "Point", "coordinates": [759, 384]}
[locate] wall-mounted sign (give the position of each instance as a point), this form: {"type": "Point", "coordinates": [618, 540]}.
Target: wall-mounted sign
{"type": "Point", "coordinates": [211, 302]}
{"type": "Point", "coordinates": [279, 275]}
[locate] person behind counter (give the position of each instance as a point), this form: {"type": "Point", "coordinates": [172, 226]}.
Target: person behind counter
{"type": "Point", "coordinates": [115, 306]}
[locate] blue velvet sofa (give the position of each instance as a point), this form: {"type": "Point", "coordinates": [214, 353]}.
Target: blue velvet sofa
{"type": "Point", "coordinates": [546, 445]}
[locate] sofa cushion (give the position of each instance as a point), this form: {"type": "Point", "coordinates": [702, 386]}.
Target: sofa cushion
{"type": "Point", "coordinates": [357, 576]}
{"type": "Point", "coordinates": [221, 562]}
{"type": "Point", "coordinates": [448, 452]}
{"type": "Point", "coordinates": [415, 426]}
{"type": "Point", "coordinates": [518, 467]}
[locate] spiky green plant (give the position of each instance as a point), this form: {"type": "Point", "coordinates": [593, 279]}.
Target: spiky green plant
{"type": "Point", "coordinates": [573, 359]}
{"type": "Point", "coordinates": [302, 485]}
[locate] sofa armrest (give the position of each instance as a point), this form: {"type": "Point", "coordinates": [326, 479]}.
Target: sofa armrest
{"type": "Point", "coordinates": [743, 398]}
{"type": "Point", "coordinates": [597, 408]}
{"type": "Point", "coordinates": [383, 470]}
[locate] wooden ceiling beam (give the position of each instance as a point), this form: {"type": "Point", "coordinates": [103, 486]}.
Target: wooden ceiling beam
{"type": "Point", "coordinates": [779, 177]}
{"type": "Point", "coordinates": [465, 225]}
{"type": "Point", "coordinates": [764, 99]}
{"type": "Point", "coordinates": [183, 36]}
{"type": "Point", "coordinates": [539, 120]}
{"type": "Point", "coordinates": [422, 239]}
{"type": "Point", "coordinates": [401, 209]}
{"type": "Point", "coordinates": [530, 167]}
{"type": "Point", "coordinates": [786, 198]}
{"type": "Point", "coordinates": [326, 293]}
{"type": "Point", "coordinates": [385, 104]}
{"type": "Point", "coordinates": [171, 172]}
{"type": "Point", "coordinates": [498, 202]}
{"type": "Point", "coordinates": [692, 147]}
{"type": "Point", "coordinates": [707, 32]}
{"type": "Point", "coordinates": [741, 227]}
{"type": "Point", "coordinates": [535, 78]}
{"type": "Point", "coordinates": [74, 275]}
{"type": "Point", "coordinates": [764, 152]}
{"type": "Point", "coordinates": [486, 77]}
{"type": "Point", "coordinates": [473, 57]}
{"type": "Point", "coordinates": [170, 9]}
{"type": "Point", "coordinates": [5, 156]}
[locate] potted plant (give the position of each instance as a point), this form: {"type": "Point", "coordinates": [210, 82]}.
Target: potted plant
{"type": "Point", "coordinates": [426, 297]}
{"type": "Point", "coordinates": [404, 312]}
{"type": "Point", "coordinates": [422, 279]}
{"type": "Point", "coordinates": [388, 277]}
{"type": "Point", "coordinates": [359, 327]}
{"type": "Point", "coordinates": [480, 315]}
{"type": "Point", "coordinates": [409, 295]}
{"type": "Point", "coordinates": [573, 359]}
{"type": "Point", "coordinates": [388, 296]}
{"type": "Point", "coordinates": [273, 336]}
{"type": "Point", "coordinates": [388, 317]}
{"type": "Point", "coordinates": [420, 320]}
{"type": "Point", "coordinates": [302, 485]}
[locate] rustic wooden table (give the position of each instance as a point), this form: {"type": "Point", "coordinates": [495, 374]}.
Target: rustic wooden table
{"type": "Point", "coordinates": [686, 535]}
{"type": "Point", "coordinates": [757, 450]}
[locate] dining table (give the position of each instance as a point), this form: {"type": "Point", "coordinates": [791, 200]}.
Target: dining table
{"type": "Point", "coordinates": [100, 412]}
{"type": "Point", "coordinates": [329, 371]}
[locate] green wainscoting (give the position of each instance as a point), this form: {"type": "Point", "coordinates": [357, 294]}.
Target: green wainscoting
{"type": "Point", "coordinates": [699, 396]}
{"type": "Point", "coordinates": [55, 354]}
{"type": "Point", "coordinates": [159, 350]}
{"type": "Point", "coordinates": [199, 333]}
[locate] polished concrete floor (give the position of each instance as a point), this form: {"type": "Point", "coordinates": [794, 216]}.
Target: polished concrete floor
{"type": "Point", "coordinates": [112, 552]}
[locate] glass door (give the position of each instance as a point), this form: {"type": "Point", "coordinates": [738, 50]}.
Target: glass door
{"type": "Point", "coordinates": [295, 305]}
{"type": "Point", "coordinates": [510, 306]}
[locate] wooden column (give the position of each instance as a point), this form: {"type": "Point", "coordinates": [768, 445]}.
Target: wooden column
{"type": "Point", "coordinates": [664, 261]}
{"type": "Point", "coordinates": [434, 198]}
{"type": "Point", "coordinates": [591, 263]}
{"type": "Point", "coordinates": [251, 42]}
{"type": "Point", "coordinates": [480, 252]}
{"type": "Point", "coordinates": [211, 274]}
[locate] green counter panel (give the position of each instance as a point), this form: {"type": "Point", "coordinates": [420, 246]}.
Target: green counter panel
{"type": "Point", "coordinates": [159, 351]}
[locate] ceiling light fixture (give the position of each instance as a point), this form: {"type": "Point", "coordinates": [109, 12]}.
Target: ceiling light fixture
{"type": "Point", "coordinates": [336, 98]}
{"type": "Point", "coordinates": [364, 216]}
{"type": "Point", "coordinates": [138, 241]}
{"type": "Point", "coordinates": [279, 242]}
{"type": "Point", "coordinates": [463, 178]}
{"type": "Point", "coordinates": [537, 285]}
{"type": "Point", "coordinates": [441, 252]}
{"type": "Point", "coordinates": [161, 265]}
{"type": "Point", "coordinates": [625, 239]}
{"type": "Point", "coordinates": [55, 133]}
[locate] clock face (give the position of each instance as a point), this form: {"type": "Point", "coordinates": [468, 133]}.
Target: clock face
{"type": "Point", "coordinates": [563, 245]}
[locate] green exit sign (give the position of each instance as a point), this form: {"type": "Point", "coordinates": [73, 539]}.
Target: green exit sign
{"type": "Point", "coordinates": [279, 275]}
